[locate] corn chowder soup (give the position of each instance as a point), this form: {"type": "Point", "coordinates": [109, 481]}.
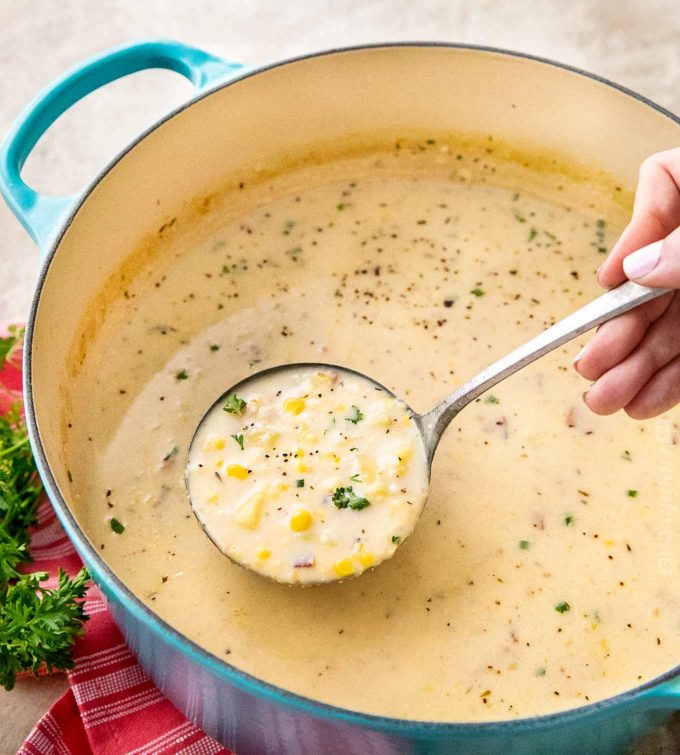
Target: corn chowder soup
{"type": "Point", "coordinates": [308, 475]}
{"type": "Point", "coordinates": [542, 574]}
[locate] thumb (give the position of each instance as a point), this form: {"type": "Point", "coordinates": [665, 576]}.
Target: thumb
{"type": "Point", "coordinates": [656, 264]}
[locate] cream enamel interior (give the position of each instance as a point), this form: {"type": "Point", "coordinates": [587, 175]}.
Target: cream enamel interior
{"type": "Point", "coordinates": [256, 122]}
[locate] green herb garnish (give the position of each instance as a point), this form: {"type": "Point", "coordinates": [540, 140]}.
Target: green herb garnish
{"type": "Point", "coordinates": [626, 456]}
{"type": "Point", "coordinates": [532, 234]}
{"type": "Point", "coordinates": [396, 539]}
{"type": "Point", "coordinates": [299, 483]}
{"type": "Point", "coordinates": [477, 292]}
{"type": "Point", "coordinates": [117, 526]}
{"type": "Point", "coordinates": [346, 497]}
{"type": "Point", "coordinates": [524, 545]}
{"type": "Point", "coordinates": [38, 626]}
{"type": "Point", "coordinates": [539, 672]}
{"type": "Point", "coordinates": [214, 347]}
{"type": "Point", "coordinates": [182, 375]}
{"type": "Point", "coordinates": [355, 478]}
{"type": "Point", "coordinates": [234, 404]}
{"type": "Point", "coordinates": [632, 493]}
{"type": "Point", "coordinates": [562, 607]}
{"type": "Point", "coordinates": [238, 439]}
{"type": "Point", "coordinates": [568, 520]}
{"type": "Point", "coordinates": [519, 217]}
{"type": "Point", "coordinates": [491, 399]}
{"type": "Point", "coordinates": [172, 452]}
{"type": "Point", "coordinates": [357, 415]}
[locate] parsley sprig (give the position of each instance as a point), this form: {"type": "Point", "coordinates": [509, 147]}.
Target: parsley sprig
{"type": "Point", "coordinates": [346, 498]}
{"type": "Point", "coordinates": [38, 625]}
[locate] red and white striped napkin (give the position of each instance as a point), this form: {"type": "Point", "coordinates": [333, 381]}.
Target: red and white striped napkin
{"type": "Point", "coordinates": [111, 706]}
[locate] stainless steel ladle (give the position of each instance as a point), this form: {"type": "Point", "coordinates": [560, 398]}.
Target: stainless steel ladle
{"type": "Point", "coordinates": [432, 424]}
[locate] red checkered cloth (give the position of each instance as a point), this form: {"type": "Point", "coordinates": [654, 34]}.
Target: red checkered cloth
{"type": "Point", "coordinates": [112, 706]}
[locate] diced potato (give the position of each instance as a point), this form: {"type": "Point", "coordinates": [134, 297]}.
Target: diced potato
{"type": "Point", "coordinates": [248, 513]}
{"type": "Point", "coordinates": [367, 467]}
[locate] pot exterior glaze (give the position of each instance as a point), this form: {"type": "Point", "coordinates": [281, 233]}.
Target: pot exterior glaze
{"type": "Point", "coordinates": [239, 121]}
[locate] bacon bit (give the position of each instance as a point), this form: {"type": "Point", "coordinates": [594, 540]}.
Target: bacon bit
{"type": "Point", "coordinates": [304, 563]}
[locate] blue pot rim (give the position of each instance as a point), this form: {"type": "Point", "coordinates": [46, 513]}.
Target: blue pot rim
{"type": "Point", "coordinates": [216, 666]}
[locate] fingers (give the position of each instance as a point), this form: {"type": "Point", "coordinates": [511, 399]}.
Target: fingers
{"type": "Point", "coordinates": [618, 386]}
{"type": "Point", "coordinates": [616, 339]}
{"type": "Point", "coordinates": [657, 264]}
{"type": "Point", "coordinates": [660, 394]}
{"type": "Point", "coordinates": [656, 213]}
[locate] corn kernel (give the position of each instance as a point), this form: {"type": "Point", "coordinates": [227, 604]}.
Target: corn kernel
{"type": "Point", "coordinates": [211, 498]}
{"type": "Point", "coordinates": [301, 466]}
{"type": "Point", "coordinates": [263, 554]}
{"type": "Point", "coordinates": [366, 559]}
{"type": "Point", "coordinates": [216, 444]}
{"type": "Point", "coordinates": [299, 453]}
{"type": "Point", "coordinates": [301, 521]}
{"type": "Point", "coordinates": [344, 567]}
{"type": "Point", "coordinates": [294, 405]}
{"type": "Point", "coordinates": [248, 513]}
{"type": "Point", "coordinates": [283, 486]}
{"type": "Point", "coordinates": [219, 463]}
{"type": "Point", "coordinates": [237, 471]}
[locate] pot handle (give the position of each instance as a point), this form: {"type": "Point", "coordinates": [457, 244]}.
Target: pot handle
{"type": "Point", "coordinates": [42, 215]}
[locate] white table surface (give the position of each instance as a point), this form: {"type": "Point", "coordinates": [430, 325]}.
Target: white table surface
{"type": "Point", "coordinates": [633, 43]}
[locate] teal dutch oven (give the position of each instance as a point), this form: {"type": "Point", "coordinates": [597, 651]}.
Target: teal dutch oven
{"type": "Point", "coordinates": [240, 118]}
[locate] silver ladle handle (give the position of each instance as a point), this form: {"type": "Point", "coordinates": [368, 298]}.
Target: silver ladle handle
{"type": "Point", "coordinates": [615, 302]}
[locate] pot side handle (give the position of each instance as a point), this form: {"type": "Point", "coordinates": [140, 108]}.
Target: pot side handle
{"type": "Point", "coordinates": [42, 215]}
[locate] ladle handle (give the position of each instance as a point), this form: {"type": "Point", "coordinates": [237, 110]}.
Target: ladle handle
{"type": "Point", "coordinates": [615, 302]}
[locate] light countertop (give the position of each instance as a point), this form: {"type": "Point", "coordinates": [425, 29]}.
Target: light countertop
{"type": "Point", "coordinates": [633, 43]}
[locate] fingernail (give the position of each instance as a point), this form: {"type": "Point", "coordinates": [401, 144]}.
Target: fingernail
{"type": "Point", "coordinates": [583, 396]}
{"type": "Point", "coordinates": [642, 262]}
{"type": "Point", "coordinates": [579, 356]}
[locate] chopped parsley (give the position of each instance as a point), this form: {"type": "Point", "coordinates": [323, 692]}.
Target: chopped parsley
{"type": "Point", "coordinates": [341, 206]}
{"type": "Point", "coordinates": [632, 493]}
{"type": "Point", "coordinates": [355, 478]}
{"type": "Point", "coordinates": [532, 234]}
{"type": "Point", "coordinates": [288, 227]}
{"type": "Point", "coordinates": [299, 483]}
{"type": "Point", "coordinates": [568, 520]}
{"type": "Point", "coordinates": [116, 526]}
{"type": "Point", "coordinates": [357, 415]}
{"type": "Point", "coordinates": [626, 456]}
{"type": "Point", "coordinates": [238, 439]}
{"type": "Point", "coordinates": [563, 607]}
{"type": "Point", "coordinates": [491, 399]}
{"type": "Point", "coordinates": [346, 498]}
{"type": "Point", "coordinates": [519, 217]}
{"type": "Point", "coordinates": [214, 347]}
{"type": "Point", "coordinates": [234, 404]}
{"type": "Point", "coordinates": [396, 539]}
{"type": "Point", "coordinates": [172, 452]}
{"type": "Point", "coordinates": [477, 292]}
{"type": "Point", "coordinates": [524, 545]}
{"type": "Point", "coordinates": [540, 671]}
{"type": "Point", "coordinates": [182, 375]}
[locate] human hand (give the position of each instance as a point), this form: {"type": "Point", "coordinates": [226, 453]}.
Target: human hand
{"type": "Point", "coordinates": [634, 360]}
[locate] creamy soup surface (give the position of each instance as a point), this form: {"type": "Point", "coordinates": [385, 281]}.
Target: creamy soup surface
{"type": "Point", "coordinates": [540, 576]}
